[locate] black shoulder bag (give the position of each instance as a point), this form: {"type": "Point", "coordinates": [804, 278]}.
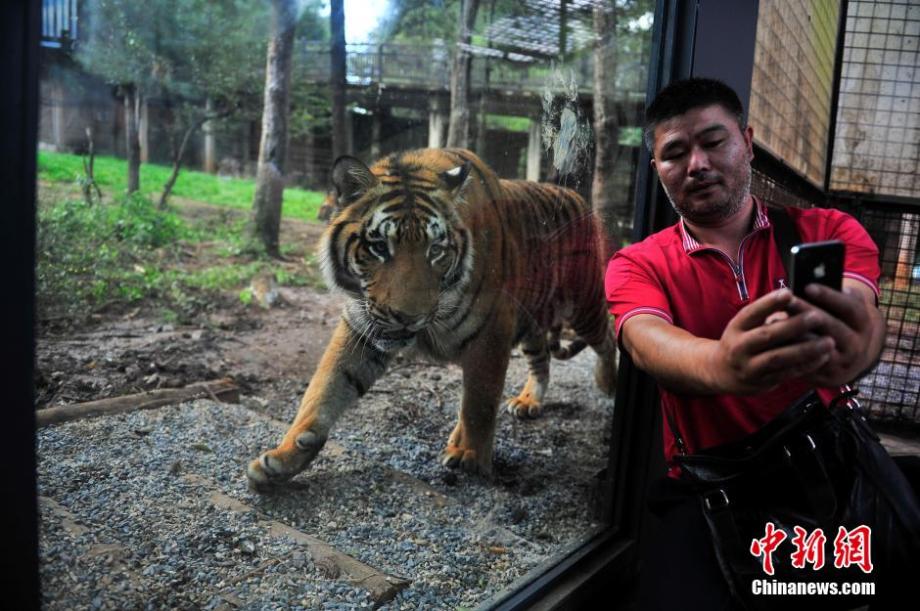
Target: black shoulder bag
{"type": "Point", "coordinates": [811, 467]}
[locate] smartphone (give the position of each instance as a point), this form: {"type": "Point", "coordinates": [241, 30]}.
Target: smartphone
{"type": "Point", "coordinates": [817, 262]}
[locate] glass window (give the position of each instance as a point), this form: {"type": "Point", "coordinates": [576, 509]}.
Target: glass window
{"type": "Point", "coordinates": [162, 124]}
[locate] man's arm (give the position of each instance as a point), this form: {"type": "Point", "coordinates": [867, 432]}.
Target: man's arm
{"type": "Point", "coordinates": [749, 358]}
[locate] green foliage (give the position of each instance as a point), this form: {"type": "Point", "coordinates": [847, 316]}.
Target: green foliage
{"type": "Point", "coordinates": [89, 254]}
{"type": "Point", "coordinates": [186, 49]}
{"type": "Point", "coordinates": [313, 23]}
{"type": "Point", "coordinates": [630, 136]}
{"type": "Point", "coordinates": [129, 251]}
{"type": "Point", "coordinates": [202, 58]}
{"type": "Point", "coordinates": [310, 109]}
{"type": "Point", "coordinates": [420, 20]}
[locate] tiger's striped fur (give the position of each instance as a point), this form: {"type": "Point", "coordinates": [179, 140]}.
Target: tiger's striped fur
{"type": "Point", "coordinates": [442, 257]}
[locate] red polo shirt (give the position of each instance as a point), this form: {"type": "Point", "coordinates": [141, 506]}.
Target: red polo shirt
{"type": "Point", "coordinates": [697, 288]}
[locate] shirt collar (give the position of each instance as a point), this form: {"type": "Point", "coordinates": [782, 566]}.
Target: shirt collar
{"type": "Point", "coordinates": [761, 221]}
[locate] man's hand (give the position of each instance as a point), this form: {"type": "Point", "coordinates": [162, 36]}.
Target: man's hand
{"type": "Point", "coordinates": [761, 348]}
{"type": "Point", "coordinates": [751, 356]}
{"type": "Point", "coordinates": [849, 318]}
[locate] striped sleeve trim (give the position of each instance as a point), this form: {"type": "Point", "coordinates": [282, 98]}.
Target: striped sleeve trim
{"type": "Point", "coordinates": [642, 310]}
{"type": "Point", "coordinates": [864, 280]}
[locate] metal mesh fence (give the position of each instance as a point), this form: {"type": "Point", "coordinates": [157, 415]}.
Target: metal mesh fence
{"type": "Point", "coordinates": [876, 151]}
{"type": "Point", "coordinates": [771, 191]}
{"type": "Point", "coordinates": [877, 138]}
{"type": "Point", "coordinates": [891, 391]}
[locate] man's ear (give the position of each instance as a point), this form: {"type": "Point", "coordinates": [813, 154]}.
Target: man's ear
{"type": "Point", "coordinates": [748, 134]}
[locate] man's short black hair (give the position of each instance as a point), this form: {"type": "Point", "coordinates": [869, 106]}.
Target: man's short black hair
{"type": "Point", "coordinates": [681, 96]}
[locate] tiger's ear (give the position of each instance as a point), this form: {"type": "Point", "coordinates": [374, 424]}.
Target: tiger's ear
{"type": "Point", "coordinates": [455, 177]}
{"type": "Point", "coordinates": [351, 179]}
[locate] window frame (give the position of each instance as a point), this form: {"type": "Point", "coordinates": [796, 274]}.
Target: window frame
{"type": "Point", "coordinates": [19, 31]}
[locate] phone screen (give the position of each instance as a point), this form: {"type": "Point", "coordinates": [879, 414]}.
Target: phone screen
{"type": "Point", "coordinates": [817, 262]}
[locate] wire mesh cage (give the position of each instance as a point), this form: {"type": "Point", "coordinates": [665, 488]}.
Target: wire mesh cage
{"type": "Point", "coordinates": [774, 193]}
{"type": "Point", "coordinates": [874, 170]}
{"type": "Point", "coordinates": [877, 136]}
{"type": "Point", "coordinates": [891, 391]}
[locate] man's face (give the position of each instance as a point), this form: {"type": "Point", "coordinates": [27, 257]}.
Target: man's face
{"type": "Point", "coordinates": [703, 160]}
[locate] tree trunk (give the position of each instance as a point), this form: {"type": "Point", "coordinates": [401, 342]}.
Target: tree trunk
{"type": "Point", "coordinates": [132, 141]}
{"type": "Point", "coordinates": [89, 179]}
{"type": "Point", "coordinates": [376, 129]}
{"type": "Point", "coordinates": [178, 155]}
{"type": "Point", "coordinates": [210, 153]}
{"type": "Point", "coordinates": [266, 205]}
{"type": "Point", "coordinates": [143, 129]}
{"type": "Point", "coordinates": [564, 24]}
{"type": "Point", "coordinates": [606, 130]}
{"type": "Point", "coordinates": [479, 136]}
{"type": "Point", "coordinates": [337, 59]}
{"type": "Point", "coordinates": [458, 130]}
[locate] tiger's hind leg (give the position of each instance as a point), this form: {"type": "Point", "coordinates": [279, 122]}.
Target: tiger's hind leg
{"type": "Point", "coordinates": [592, 323]}
{"type": "Point", "coordinates": [529, 403]}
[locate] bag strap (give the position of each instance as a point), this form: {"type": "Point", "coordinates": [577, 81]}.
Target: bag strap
{"type": "Point", "coordinates": [785, 235]}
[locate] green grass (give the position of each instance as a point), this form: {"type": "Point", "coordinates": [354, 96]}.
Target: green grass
{"type": "Point", "coordinates": [508, 123]}
{"type": "Point", "coordinates": [111, 176]}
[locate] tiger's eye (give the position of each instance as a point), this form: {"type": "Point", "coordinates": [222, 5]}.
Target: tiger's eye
{"type": "Point", "coordinates": [379, 249]}
{"type": "Point", "coordinates": [435, 250]}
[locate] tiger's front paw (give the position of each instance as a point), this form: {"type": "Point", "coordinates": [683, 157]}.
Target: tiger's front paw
{"type": "Point", "coordinates": [524, 407]}
{"type": "Point", "coordinates": [467, 460]}
{"type": "Point", "coordinates": [281, 464]}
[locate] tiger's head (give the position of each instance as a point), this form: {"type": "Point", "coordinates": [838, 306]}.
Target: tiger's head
{"type": "Point", "coordinates": [397, 245]}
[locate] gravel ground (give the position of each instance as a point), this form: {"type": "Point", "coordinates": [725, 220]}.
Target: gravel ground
{"type": "Point", "coordinates": [129, 518]}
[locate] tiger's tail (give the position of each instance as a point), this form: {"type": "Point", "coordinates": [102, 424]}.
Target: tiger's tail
{"type": "Point", "coordinates": [564, 353]}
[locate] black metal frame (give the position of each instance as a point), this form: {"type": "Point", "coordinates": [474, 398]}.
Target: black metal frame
{"type": "Point", "coordinates": [835, 93]}
{"type": "Point", "coordinates": [19, 49]}
{"type": "Point", "coordinates": [857, 198]}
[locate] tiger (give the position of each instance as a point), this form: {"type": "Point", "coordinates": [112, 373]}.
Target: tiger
{"type": "Point", "coordinates": [439, 256]}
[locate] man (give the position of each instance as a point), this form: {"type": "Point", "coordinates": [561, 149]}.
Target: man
{"type": "Point", "coordinates": [701, 307]}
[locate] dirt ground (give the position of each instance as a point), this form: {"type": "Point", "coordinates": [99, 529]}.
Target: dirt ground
{"type": "Point", "coordinates": [123, 349]}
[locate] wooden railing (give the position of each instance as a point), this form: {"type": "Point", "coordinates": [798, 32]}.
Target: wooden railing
{"type": "Point", "coordinates": [428, 67]}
